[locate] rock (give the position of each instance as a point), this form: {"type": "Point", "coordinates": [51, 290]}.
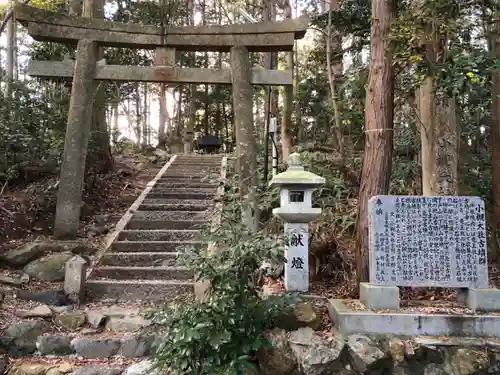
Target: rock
{"type": "Point", "coordinates": [95, 318]}
{"type": "Point", "coordinates": [315, 355]}
{"type": "Point", "coordinates": [71, 320]}
{"type": "Point", "coordinates": [99, 348]}
{"type": "Point", "coordinates": [49, 268]}
{"type": "Point", "coordinates": [302, 315]}
{"type": "Point", "coordinates": [98, 370]}
{"type": "Point", "coordinates": [4, 279]}
{"type": "Point", "coordinates": [30, 369]}
{"type": "Point", "coordinates": [467, 361]}
{"type": "Point", "coordinates": [49, 297]}
{"type": "Point", "coordinates": [42, 311]}
{"type": "Point", "coordinates": [22, 255]}
{"type": "Point", "coordinates": [101, 225]}
{"type": "Point", "coordinates": [65, 367]}
{"type": "Point", "coordinates": [54, 344]}
{"type": "Point", "coordinates": [53, 371]}
{"type": "Point", "coordinates": [135, 346]}
{"type": "Point", "coordinates": [302, 336]}
{"type": "Point", "coordinates": [364, 352]}
{"type": "Point", "coordinates": [434, 369]}
{"type": "Point", "coordinates": [94, 230]}
{"type": "Point", "coordinates": [142, 368]}
{"type": "Point", "coordinates": [278, 359]}
{"type": "Point", "coordinates": [61, 309]}
{"type": "Point", "coordinates": [127, 323]}
{"type": "Point", "coordinates": [323, 357]}
{"type": "Point", "coordinates": [397, 349]}
{"type": "Point", "coordinates": [4, 363]}
{"type": "Point", "coordinates": [21, 338]}
{"type": "Point", "coordinates": [101, 220]}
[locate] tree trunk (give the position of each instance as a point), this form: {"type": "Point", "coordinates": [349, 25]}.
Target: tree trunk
{"type": "Point", "coordinates": [245, 134]}
{"type": "Point", "coordinates": [495, 124]}
{"type": "Point", "coordinates": [428, 136]}
{"type": "Point", "coordinates": [145, 117]}
{"type": "Point", "coordinates": [439, 125]}
{"type": "Point", "coordinates": [138, 116]}
{"type": "Point", "coordinates": [101, 158]}
{"type": "Point", "coordinates": [286, 123]}
{"type": "Point", "coordinates": [334, 71]}
{"type": "Point", "coordinates": [11, 53]}
{"type": "Point", "coordinates": [447, 149]}
{"type": "Point", "coordinates": [379, 114]}
{"type": "Point", "coordinates": [162, 102]}
{"type": "Point", "coordinates": [116, 129]}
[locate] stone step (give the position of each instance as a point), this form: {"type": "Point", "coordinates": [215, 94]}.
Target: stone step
{"type": "Point", "coordinates": [140, 259]}
{"type": "Point", "coordinates": [195, 179]}
{"type": "Point", "coordinates": [202, 158]}
{"type": "Point", "coordinates": [169, 189]}
{"type": "Point", "coordinates": [173, 185]}
{"type": "Point", "coordinates": [201, 172]}
{"type": "Point", "coordinates": [165, 224]}
{"type": "Point", "coordinates": [133, 290]}
{"type": "Point", "coordinates": [180, 195]}
{"type": "Point", "coordinates": [158, 205]}
{"type": "Point", "coordinates": [159, 235]}
{"type": "Point", "coordinates": [154, 246]}
{"type": "Point", "coordinates": [194, 166]}
{"type": "Point", "coordinates": [141, 273]}
{"type": "Point", "coordinates": [198, 159]}
{"type": "Point", "coordinates": [170, 215]}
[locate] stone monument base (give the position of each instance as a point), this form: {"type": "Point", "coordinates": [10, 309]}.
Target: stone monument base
{"type": "Point", "coordinates": [387, 297]}
{"type": "Point", "coordinates": [349, 320]}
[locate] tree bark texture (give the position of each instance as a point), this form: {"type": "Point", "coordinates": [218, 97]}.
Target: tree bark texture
{"type": "Point", "coordinates": [495, 126]}
{"type": "Point", "coordinates": [379, 115]}
{"type": "Point", "coordinates": [101, 158]}
{"type": "Point", "coordinates": [245, 133]}
{"type": "Point", "coordinates": [286, 124]}
{"type": "Point", "coordinates": [163, 57]}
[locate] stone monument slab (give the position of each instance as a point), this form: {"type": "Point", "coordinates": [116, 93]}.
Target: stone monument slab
{"type": "Point", "coordinates": [297, 257]}
{"type": "Point", "coordinates": [427, 241]}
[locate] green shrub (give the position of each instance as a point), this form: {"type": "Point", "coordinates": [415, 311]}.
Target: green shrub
{"type": "Point", "coordinates": [221, 334]}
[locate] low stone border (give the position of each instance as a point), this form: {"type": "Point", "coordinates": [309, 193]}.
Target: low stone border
{"type": "Point", "coordinates": [351, 321]}
{"type": "Point", "coordinates": [299, 352]}
{"type": "Point", "coordinates": [128, 345]}
{"type": "Point", "coordinates": [33, 367]}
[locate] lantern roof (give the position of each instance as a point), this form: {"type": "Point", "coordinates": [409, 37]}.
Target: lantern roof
{"type": "Point", "coordinates": [296, 176]}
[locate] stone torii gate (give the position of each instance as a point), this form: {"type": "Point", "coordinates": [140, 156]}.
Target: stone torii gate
{"type": "Point", "coordinates": [89, 34]}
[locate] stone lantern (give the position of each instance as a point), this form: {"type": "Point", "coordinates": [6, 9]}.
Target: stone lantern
{"type": "Point", "coordinates": [296, 211]}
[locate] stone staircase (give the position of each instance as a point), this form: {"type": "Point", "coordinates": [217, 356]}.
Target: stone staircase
{"type": "Point", "coordinates": [139, 260]}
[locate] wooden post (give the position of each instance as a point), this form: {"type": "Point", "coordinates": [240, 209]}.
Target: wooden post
{"type": "Point", "coordinates": [69, 196]}
{"type": "Point", "coordinates": [241, 76]}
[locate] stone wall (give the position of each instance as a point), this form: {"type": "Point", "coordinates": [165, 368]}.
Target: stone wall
{"type": "Point", "coordinates": [306, 352]}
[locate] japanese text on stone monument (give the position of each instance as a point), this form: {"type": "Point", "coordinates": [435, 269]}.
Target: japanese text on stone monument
{"type": "Point", "coordinates": [427, 241]}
